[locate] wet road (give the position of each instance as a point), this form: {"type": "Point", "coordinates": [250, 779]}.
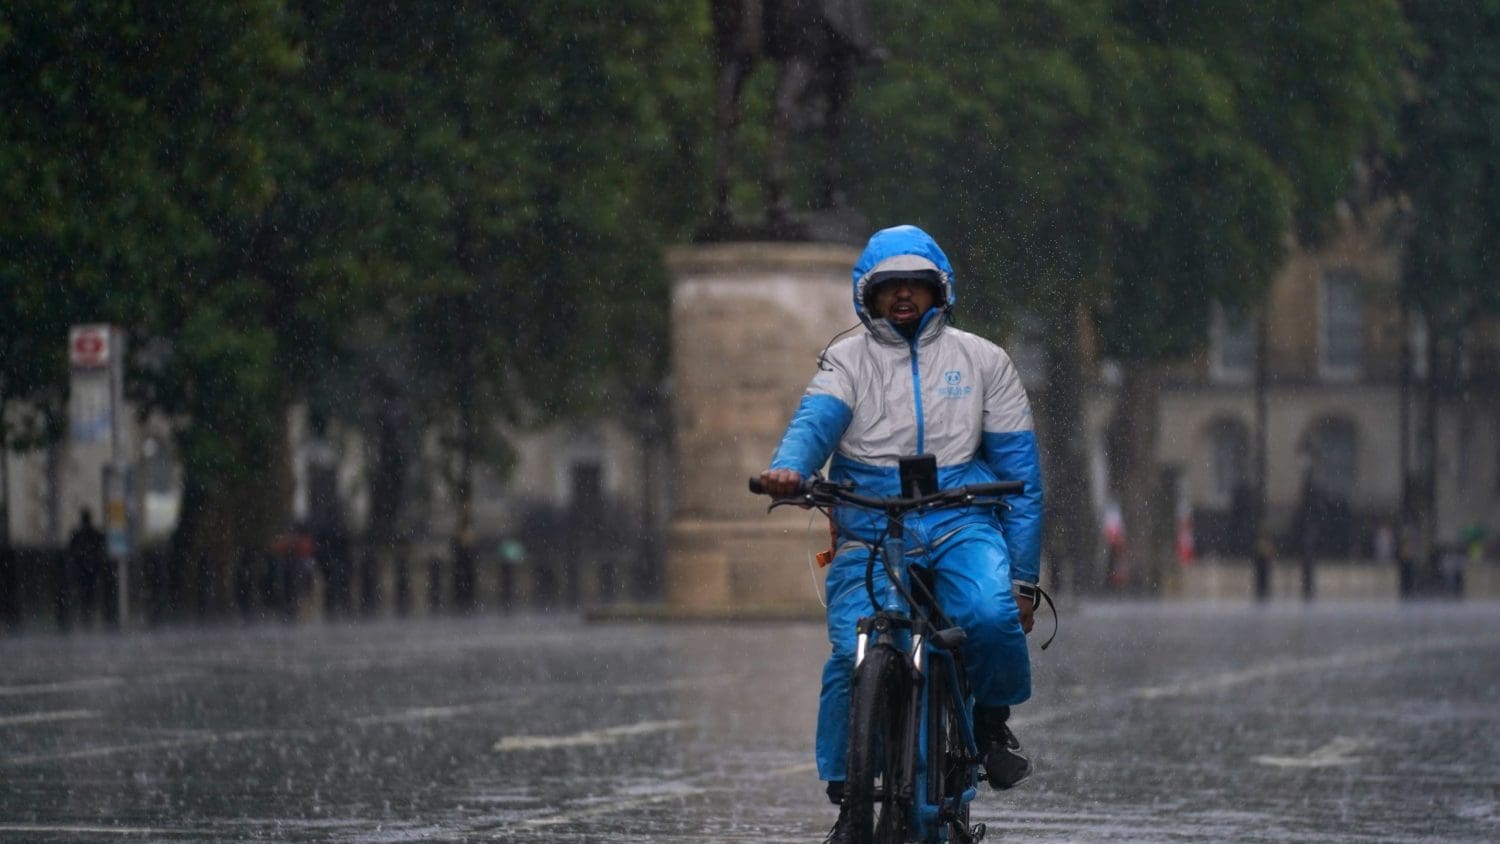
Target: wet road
{"type": "Point", "coordinates": [1338, 723]}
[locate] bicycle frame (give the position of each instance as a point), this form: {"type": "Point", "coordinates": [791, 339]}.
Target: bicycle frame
{"type": "Point", "coordinates": [934, 670]}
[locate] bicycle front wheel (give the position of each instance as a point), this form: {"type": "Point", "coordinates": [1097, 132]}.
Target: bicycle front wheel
{"type": "Point", "coordinates": [877, 734]}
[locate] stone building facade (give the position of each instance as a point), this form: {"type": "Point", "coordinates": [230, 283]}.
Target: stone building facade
{"type": "Point", "coordinates": [1338, 401]}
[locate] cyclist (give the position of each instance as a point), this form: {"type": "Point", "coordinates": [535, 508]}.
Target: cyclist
{"type": "Point", "coordinates": [912, 383]}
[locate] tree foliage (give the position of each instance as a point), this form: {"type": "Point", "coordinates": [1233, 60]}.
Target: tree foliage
{"type": "Point", "coordinates": [1449, 169]}
{"type": "Point", "coordinates": [1127, 161]}
{"type": "Point", "coordinates": [264, 191]}
{"type": "Point", "coordinates": [549, 161]}
{"type": "Point", "coordinates": [1148, 156]}
{"type": "Point", "coordinates": [130, 139]}
{"type": "Point", "coordinates": [542, 166]}
{"type": "Point", "coordinates": [1449, 182]}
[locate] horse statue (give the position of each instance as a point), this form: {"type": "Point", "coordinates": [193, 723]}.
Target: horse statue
{"type": "Point", "coordinates": [818, 45]}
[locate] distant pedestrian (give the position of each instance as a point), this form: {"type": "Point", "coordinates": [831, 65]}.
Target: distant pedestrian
{"type": "Point", "coordinates": [336, 561]}
{"type": "Point", "coordinates": [295, 568]}
{"type": "Point", "coordinates": [87, 559]}
{"type": "Point", "coordinates": [244, 582]}
{"type": "Point", "coordinates": [1383, 545]}
{"type": "Point", "coordinates": [434, 583]}
{"type": "Point", "coordinates": [1451, 565]}
{"type": "Point", "coordinates": [10, 600]}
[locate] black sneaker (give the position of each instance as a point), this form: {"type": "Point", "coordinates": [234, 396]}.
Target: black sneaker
{"type": "Point", "coordinates": [1004, 766]}
{"type": "Point", "coordinates": [840, 834]}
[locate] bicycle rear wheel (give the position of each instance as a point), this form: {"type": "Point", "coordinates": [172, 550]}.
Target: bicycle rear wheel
{"type": "Point", "coordinates": [877, 732]}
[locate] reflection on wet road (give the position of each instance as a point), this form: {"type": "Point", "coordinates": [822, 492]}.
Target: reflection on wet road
{"type": "Point", "coordinates": [1336, 722]}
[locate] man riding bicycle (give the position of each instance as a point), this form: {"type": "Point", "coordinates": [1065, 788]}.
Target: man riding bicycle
{"type": "Point", "coordinates": [912, 383]}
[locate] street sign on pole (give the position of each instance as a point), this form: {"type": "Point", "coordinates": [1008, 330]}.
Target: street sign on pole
{"type": "Point", "coordinates": [89, 346]}
{"type": "Point", "coordinates": [96, 410]}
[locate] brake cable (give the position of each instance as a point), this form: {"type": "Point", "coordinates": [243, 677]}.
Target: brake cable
{"type": "Point", "coordinates": [1053, 607]}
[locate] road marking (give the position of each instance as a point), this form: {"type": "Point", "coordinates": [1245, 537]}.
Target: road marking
{"type": "Point", "coordinates": [657, 836]}
{"type": "Point", "coordinates": [587, 738]}
{"type": "Point", "coordinates": [428, 713]}
{"type": "Point", "coordinates": [47, 717]}
{"type": "Point", "coordinates": [1281, 668]}
{"type": "Point", "coordinates": [691, 682]}
{"type": "Point", "coordinates": [432, 713]}
{"type": "Point", "coordinates": [794, 770]}
{"type": "Point", "coordinates": [77, 829]}
{"type": "Point", "coordinates": [1336, 753]}
{"type": "Point", "coordinates": [111, 750]}
{"type": "Point", "coordinates": [53, 688]}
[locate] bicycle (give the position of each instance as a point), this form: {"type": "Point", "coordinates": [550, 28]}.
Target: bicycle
{"type": "Point", "coordinates": [913, 762]}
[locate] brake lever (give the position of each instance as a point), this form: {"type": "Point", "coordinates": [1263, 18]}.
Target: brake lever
{"type": "Point", "coordinates": [998, 503]}
{"type": "Point", "coordinates": [805, 501]}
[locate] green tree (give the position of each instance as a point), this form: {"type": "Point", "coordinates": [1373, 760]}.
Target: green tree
{"type": "Point", "coordinates": [130, 137]}
{"type": "Point", "coordinates": [1123, 163]}
{"type": "Point", "coordinates": [529, 161]}
{"type": "Point", "coordinates": [1449, 172]}
{"type": "Point", "coordinates": [261, 193]}
{"type": "Point", "coordinates": [1253, 147]}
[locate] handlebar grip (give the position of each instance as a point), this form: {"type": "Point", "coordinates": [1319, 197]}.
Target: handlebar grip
{"type": "Point", "coordinates": [760, 489]}
{"type": "Point", "coordinates": [997, 488]}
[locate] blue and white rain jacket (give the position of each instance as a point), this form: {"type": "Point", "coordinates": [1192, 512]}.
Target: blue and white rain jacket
{"type": "Point", "coordinates": [878, 397]}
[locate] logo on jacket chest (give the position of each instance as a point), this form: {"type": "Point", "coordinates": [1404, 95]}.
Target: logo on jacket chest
{"type": "Point", "coordinates": [954, 386]}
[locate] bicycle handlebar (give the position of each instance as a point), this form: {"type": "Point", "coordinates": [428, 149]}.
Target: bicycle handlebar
{"type": "Point", "coordinates": [819, 492]}
{"type": "Point", "coordinates": [816, 490]}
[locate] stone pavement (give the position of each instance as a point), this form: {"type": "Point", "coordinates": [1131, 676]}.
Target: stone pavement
{"type": "Point", "coordinates": [1351, 721]}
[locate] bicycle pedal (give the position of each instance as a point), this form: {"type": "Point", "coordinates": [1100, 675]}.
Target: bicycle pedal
{"type": "Point", "coordinates": [965, 835]}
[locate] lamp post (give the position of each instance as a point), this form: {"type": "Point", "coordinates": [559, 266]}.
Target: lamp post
{"type": "Point", "coordinates": [1260, 539]}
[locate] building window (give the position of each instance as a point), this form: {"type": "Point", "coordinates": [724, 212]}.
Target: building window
{"type": "Point", "coordinates": [1340, 324]}
{"type": "Point", "coordinates": [1323, 523]}
{"type": "Point", "coordinates": [1229, 453]}
{"type": "Point", "coordinates": [1231, 345]}
{"type": "Point", "coordinates": [1332, 447]}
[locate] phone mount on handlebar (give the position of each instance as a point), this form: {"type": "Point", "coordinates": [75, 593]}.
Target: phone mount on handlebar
{"type": "Point", "coordinates": [918, 475]}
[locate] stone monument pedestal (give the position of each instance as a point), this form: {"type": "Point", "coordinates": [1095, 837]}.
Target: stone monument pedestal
{"type": "Point", "coordinates": [749, 320]}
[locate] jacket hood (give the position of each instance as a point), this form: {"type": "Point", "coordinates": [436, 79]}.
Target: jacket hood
{"type": "Point", "coordinates": [906, 251]}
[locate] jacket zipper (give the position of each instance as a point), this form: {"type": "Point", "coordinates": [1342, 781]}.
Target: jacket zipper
{"type": "Point", "coordinates": [916, 391]}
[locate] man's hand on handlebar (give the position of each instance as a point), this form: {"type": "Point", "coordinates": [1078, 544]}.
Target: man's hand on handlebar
{"type": "Point", "coordinates": [782, 483]}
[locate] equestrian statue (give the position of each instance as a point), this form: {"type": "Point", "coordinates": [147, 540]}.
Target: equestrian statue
{"type": "Point", "coordinates": [817, 46]}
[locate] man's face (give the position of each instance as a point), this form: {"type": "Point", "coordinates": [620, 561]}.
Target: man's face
{"type": "Point", "coordinates": [903, 299]}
